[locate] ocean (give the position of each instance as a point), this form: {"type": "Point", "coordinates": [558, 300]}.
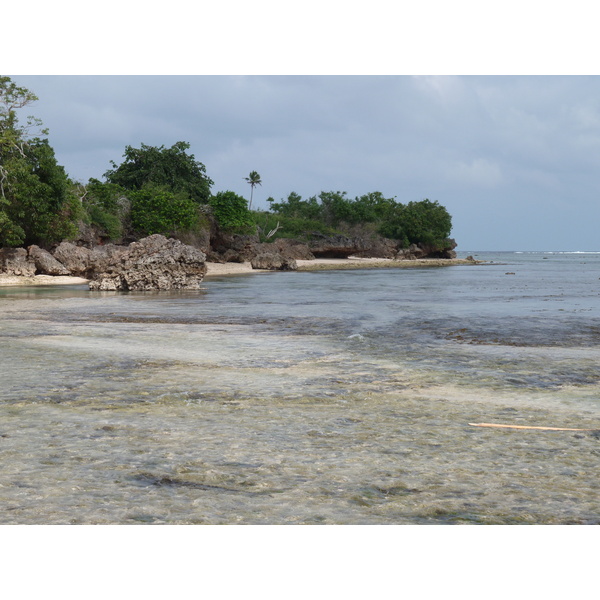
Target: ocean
{"type": "Point", "coordinates": [329, 397]}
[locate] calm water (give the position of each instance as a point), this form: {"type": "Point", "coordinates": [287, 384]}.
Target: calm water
{"type": "Point", "coordinates": [339, 397]}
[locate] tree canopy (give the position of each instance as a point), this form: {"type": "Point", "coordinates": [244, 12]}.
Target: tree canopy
{"type": "Point", "coordinates": [171, 168]}
{"type": "Point", "coordinates": [424, 222]}
{"type": "Point", "coordinates": [231, 211]}
{"type": "Point", "coordinates": [37, 205]}
{"type": "Point", "coordinates": [253, 179]}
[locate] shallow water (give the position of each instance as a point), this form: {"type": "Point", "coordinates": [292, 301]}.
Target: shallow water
{"type": "Point", "coordinates": [315, 397]}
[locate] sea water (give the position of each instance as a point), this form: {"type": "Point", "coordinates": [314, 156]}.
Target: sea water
{"type": "Point", "coordinates": [333, 397]}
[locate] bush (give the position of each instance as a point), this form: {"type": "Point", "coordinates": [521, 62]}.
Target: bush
{"type": "Point", "coordinates": [38, 206]}
{"type": "Point", "coordinates": [426, 222]}
{"type": "Point", "coordinates": [231, 212]}
{"type": "Point", "coordinates": [108, 224]}
{"type": "Point", "coordinates": [171, 168]}
{"type": "Point", "coordinates": [157, 210]}
{"type": "Point", "coordinates": [107, 208]}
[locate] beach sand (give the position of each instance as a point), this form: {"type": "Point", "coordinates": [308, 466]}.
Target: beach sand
{"type": "Point", "coordinates": [6, 280]}
{"type": "Point", "coordinates": [221, 269]}
{"type": "Point", "coordinates": [325, 264]}
{"type": "Point", "coordinates": [354, 262]}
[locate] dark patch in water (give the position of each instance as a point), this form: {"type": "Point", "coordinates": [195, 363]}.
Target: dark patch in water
{"type": "Point", "coordinates": [148, 479]}
{"type": "Point", "coordinates": [373, 494]}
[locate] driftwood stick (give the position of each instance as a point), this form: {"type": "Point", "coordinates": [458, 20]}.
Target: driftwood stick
{"type": "Point", "coordinates": [529, 427]}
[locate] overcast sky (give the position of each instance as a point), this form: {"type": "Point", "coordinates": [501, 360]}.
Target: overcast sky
{"type": "Point", "coordinates": [515, 160]}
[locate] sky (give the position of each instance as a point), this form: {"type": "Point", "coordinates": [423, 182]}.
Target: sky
{"type": "Point", "coordinates": [514, 159]}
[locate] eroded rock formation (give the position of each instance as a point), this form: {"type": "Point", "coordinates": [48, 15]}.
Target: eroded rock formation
{"type": "Point", "coordinates": [45, 263]}
{"type": "Point", "coordinates": [16, 261]}
{"type": "Point", "coordinates": [158, 263]}
{"type": "Point", "coordinates": [153, 263]}
{"type": "Point", "coordinates": [273, 261]}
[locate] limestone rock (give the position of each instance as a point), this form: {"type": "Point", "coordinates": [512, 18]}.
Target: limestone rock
{"type": "Point", "coordinates": [273, 262]}
{"type": "Point", "coordinates": [292, 249]}
{"type": "Point", "coordinates": [45, 263]}
{"type": "Point", "coordinates": [337, 246]}
{"type": "Point", "coordinates": [153, 263]}
{"type": "Point", "coordinates": [75, 258]}
{"type": "Point", "coordinates": [16, 261]}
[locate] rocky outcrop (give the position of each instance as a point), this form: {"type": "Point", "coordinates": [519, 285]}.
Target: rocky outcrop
{"type": "Point", "coordinates": [248, 248]}
{"type": "Point", "coordinates": [153, 263]}
{"type": "Point", "coordinates": [341, 246]}
{"type": "Point", "coordinates": [45, 263]}
{"type": "Point", "coordinates": [377, 247]}
{"type": "Point", "coordinates": [156, 262]}
{"type": "Point", "coordinates": [337, 246]}
{"type": "Point", "coordinates": [232, 248]}
{"type": "Point", "coordinates": [76, 259]}
{"type": "Point", "coordinates": [273, 261]}
{"type": "Point", "coordinates": [16, 261]}
{"type": "Point", "coordinates": [446, 251]}
{"type": "Point", "coordinates": [238, 248]}
{"type": "Point", "coordinates": [292, 249]}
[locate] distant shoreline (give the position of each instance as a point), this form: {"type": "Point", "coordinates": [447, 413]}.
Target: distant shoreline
{"type": "Point", "coordinates": [230, 268]}
{"type": "Point", "coordinates": [335, 264]}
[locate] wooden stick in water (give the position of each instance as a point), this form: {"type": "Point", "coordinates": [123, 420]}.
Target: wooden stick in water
{"type": "Point", "coordinates": [528, 427]}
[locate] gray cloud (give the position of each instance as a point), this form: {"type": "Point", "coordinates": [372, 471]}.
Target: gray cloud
{"type": "Point", "coordinates": [514, 159]}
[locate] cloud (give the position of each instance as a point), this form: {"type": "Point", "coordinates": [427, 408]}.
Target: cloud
{"type": "Point", "coordinates": [478, 172]}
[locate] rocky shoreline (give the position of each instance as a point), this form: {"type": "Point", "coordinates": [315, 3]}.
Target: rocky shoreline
{"type": "Point", "coordinates": [158, 263]}
{"type": "Point", "coordinates": [228, 269]}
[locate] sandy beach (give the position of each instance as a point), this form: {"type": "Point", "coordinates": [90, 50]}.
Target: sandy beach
{"type": "Point", "coordinates": [353, 262]}
{"type": "Point", "coordinates": [6, 280]}
{"type": "Point", "coordinates": [230, 268]}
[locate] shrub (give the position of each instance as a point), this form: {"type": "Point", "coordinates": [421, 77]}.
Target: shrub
{"type": "Point", "coordinates": [157, 210]}
{"type": "Point", "coordinates": [231, 212]}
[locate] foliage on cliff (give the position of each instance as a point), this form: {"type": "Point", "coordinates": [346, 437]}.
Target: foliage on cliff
{"type": "Point", "coordinates": [170, 168]}
{"type": "Point", "coordinates": [167, 191]}
{"type": "Point", "coordinates": [231, 212]}
{"type": "Point", "coordinates": [37, 203]}
{"type": "Point", "coordinates": [416, 222]}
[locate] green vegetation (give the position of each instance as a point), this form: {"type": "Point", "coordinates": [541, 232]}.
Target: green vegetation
{"type": "Point", "coordinates": [231, 212]}
{"type": "Point", "coordinates": [158, 210]}
{"type": "Point", "coordinates": [170, 168]}
{"type": "Point", "coordinates": [37, 203]}
{"type": "Point", "coordinates": [106, 207]}
{"type": "Point", "coordinates": [332, 212]}
{"type": "Point", "coordinates": [167, 191]}
{"type": "Point", "coordinates": [253, 179]}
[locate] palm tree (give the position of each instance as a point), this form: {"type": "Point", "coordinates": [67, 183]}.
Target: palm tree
{"type": "Point", "coordinates": [253, 179]}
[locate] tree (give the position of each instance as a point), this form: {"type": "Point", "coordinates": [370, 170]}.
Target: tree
{"type": "Point", "coordinates": [37, 205]}
{"type": "Point", "coordinates": [171, 168]}
{"type": "Point", "coordinates": [253, 179]}
{"type": "Point", "coordinates": [422, 222]}
{"type": "Point", "coordinates": [231, 212]}
{"type": "Point", "coordinates": [107, 207]}
{"type": "Point", "coordinates": [158, 210]}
